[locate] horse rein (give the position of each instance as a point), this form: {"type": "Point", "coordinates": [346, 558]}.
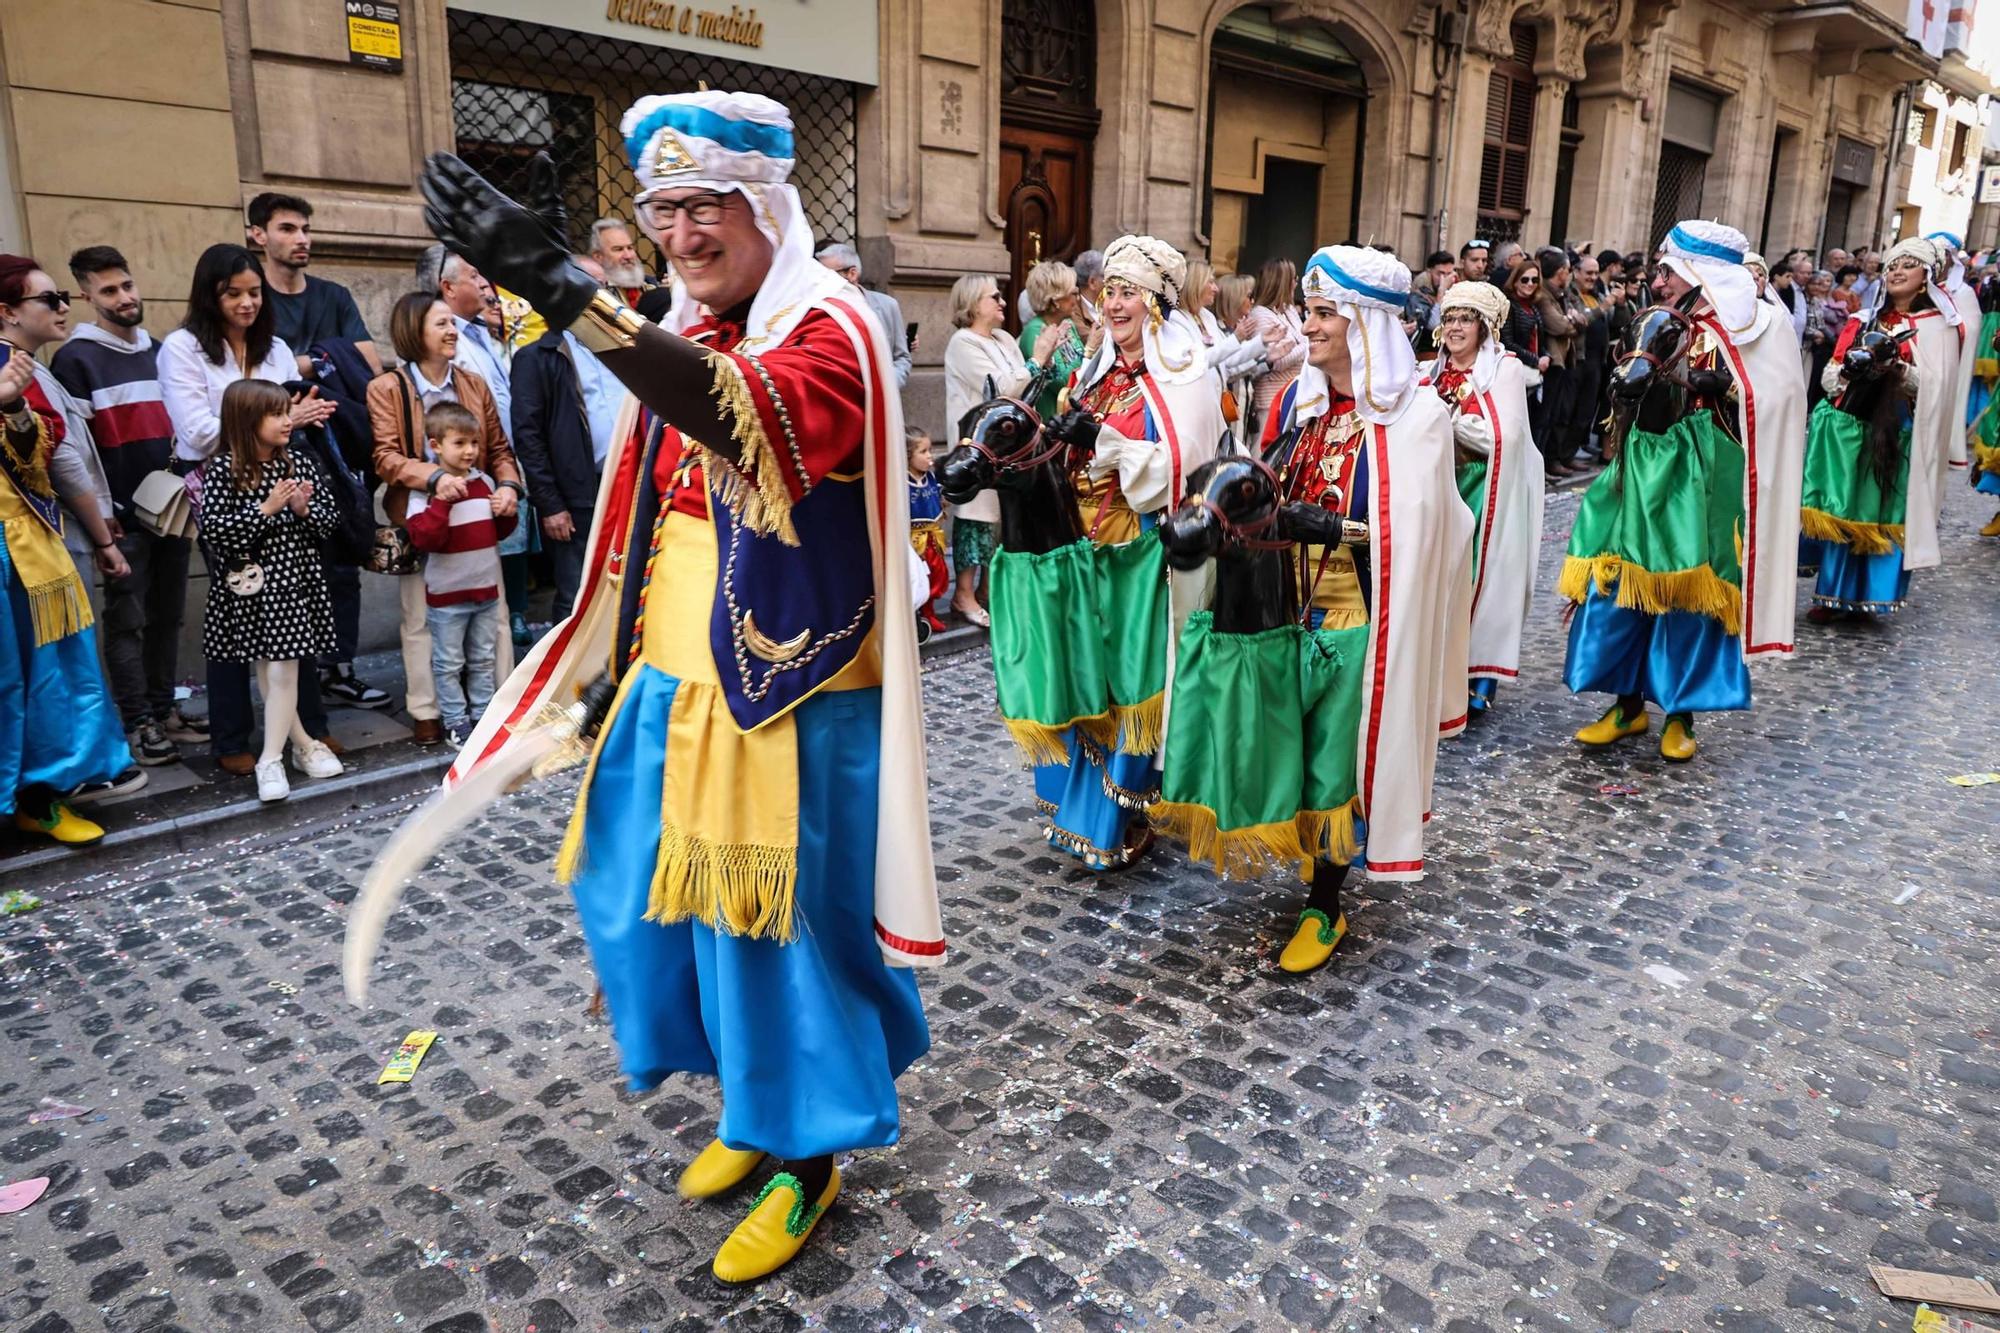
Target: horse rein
{"type": "Point", "coordinates": [1249, 536]}
{"type": "Point", "coordinates": [1014, 462]}
{"type": "Point", "coordinates": [1665, 365]}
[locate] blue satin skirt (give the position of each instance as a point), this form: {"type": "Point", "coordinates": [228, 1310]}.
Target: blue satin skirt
{"type": "Point", "coordinates": [1988, 483]}
{"type": "Point", "coordinates": [1850, 582]}
{"type": "Point", "coordinates": [806, 1037]}
{"type": "Point", "coordinates": [1087, 817]}
{"type": "Point", "coordinates": [1680, 662]}
{"type": "Point", "coordinates": [58, 726]}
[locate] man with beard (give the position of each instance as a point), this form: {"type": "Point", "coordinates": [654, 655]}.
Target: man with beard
{"type": "Point", "coordinates": [305, 309]}
{"type": "Point", "coordinates": [612, 246]}
{"type": "Point", "coordinates": [1474, 261]}
{"type": "Point", "coordinates": [110, 367]}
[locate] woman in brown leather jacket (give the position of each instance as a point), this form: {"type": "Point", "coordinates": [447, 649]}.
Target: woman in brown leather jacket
{"type": "Point", "coordinates": [425, 335]}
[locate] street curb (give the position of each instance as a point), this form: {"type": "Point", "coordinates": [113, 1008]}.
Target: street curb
{"type": "Point", "coordinates": [249, 816]}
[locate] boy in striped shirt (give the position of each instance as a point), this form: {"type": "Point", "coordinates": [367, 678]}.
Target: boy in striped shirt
{"type": "Point", "coordinates": [455, 527]}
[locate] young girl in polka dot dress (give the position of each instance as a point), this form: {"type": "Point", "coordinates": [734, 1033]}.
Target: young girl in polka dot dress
{"type": "Point", "coordinates": [265, 516]}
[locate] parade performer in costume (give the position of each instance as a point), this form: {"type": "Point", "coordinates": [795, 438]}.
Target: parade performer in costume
{"type": "Point", "coordinates": [927, 533]}
{"type": "Point", "coordinates": [1682, 559]}
{"type": "Point", "coordinates": [58, 726]}
{"type": "Point", "coordinates": [750, 850]}
{"type": "Point", "coordinates": [1500, 477]}
{"type": "Point", "coordinates": [1872, 496]}
{"type": "Point", "coordinates": [1356, 435]}
{"type": "Point", "coordinates": [1146, 411]}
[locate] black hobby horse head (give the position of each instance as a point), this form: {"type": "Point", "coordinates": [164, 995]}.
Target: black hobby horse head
{"type": "Point", "coordinates": [1650, 380]}
{"type": "Point", "coordinates": [997, 440]}
{"type": "Point", "coordinates": [1873, 374]}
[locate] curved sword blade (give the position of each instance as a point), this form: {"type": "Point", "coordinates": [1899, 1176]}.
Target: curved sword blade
{"type": "Point", "coordinates": [410, 849]}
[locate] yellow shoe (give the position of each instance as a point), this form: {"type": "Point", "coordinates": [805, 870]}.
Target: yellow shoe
{"type": "Point", "coordinates": [1313, 942]}
{"type": "Point", "coordinates": [716, 1168]}
{"type": "Point", "coordinates": [1991, 529]}
{"type": "Point", "coordinates": [1608, 728]}
{"type": "Point", "coordinates": [65, 825]}
{"type": "Point", "coordinates": [775, 1231]}
{"type": "Point", "coordinates": [1677, 741]}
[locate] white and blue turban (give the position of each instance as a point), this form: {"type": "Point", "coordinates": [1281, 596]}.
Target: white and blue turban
{"type": "Point", "coordinates": [1710, 255]}
{"type": "Point", "coordinates": [1371, 288]}
{"type": "Point", "coordinates": [1953, 247]}
{"type": "Point", "coordinates": [725, 142]}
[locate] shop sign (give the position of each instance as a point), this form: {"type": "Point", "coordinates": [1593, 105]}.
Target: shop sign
{"type": "Point", "coordinates": [837, 38]}
{"type": "Point", "coordinates": [1853, 162]}
{"type": "Point", "coordinates": [375, 34]}
{"type": "Point", "coordinates": [1989, 185]}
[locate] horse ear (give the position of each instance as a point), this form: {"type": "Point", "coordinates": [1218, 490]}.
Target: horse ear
{"type": "Point", "coordinates": [990, 394]}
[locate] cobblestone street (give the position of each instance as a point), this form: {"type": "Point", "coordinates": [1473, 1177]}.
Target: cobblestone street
{"type": "Point", "coordinates": [1653, 1047]}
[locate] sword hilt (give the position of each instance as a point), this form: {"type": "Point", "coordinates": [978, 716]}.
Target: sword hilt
{"type": "Point", "coordinates": [593, 703]}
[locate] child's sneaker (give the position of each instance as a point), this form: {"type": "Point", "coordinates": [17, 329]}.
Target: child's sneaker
{"type": "Point", "coordinates": [316, 761]}
{"type": "Point", "coordinates": [272, 784]}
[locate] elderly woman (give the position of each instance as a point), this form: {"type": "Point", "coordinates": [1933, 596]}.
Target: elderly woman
{"type": "Point", "coordinates": [1052, 297]}
{"type": "Point", "coordinates": [980, 361]}
{"type": "Point", "coordinates": [1485, 388]}
{"type": "Point", "coordinates": [1873, 506]}
{"type": "Point", "coordinates": [1147, 410]}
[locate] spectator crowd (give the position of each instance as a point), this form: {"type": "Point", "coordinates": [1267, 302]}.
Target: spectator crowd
{"type": "Point", "coordinates": [271, 435]}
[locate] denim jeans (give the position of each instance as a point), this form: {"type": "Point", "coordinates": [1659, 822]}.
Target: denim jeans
{"type": "Point", "coordinates": [464, 642]}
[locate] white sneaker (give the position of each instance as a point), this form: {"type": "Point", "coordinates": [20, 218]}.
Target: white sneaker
{"type": "Point", "coordinates": [272, 785]}
{"type": "Point", "coordinates": [316, 761]}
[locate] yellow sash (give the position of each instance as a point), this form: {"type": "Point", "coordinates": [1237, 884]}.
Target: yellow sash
{"type": "Point", "coordinates": [729, 800]}
{"type": "Point", "coordinates": [58, 603]}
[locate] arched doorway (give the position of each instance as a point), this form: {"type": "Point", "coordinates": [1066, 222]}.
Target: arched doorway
{"type": "Point", "coordinates": [1048, 122]}
{"type": "Point", "coordinates": [1286, 117]}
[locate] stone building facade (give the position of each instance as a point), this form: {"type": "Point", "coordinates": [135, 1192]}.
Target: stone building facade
{"type": "Point", "coordinates": [953, 136]}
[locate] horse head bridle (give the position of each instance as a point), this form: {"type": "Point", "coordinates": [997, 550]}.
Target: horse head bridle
{"type": "Point", "coordinates": [1015, 462]}
{"type": "Point", "coordinates": [1250, 536]}
{"type": "Point", "coordinates": [1665, 365]}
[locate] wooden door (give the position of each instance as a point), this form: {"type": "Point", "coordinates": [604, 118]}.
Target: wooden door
{"type": "Point", "coordinates": [1045, 197]}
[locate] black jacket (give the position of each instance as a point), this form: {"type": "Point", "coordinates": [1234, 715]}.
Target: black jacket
{"type": "Point", "coordinates": [1521, 333]}
{"type": "Point", "coordinates": [550, 428]}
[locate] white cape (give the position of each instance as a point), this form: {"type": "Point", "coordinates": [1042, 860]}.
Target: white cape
{"type": "Point", "coordinates": [1771, 423]}
{"type": "Point", "coordinates": [1930, 435]}
{"type": "Point", "coordinates": [1969, 316]}
{"type": "Point", "coordinates": [1510, 531]}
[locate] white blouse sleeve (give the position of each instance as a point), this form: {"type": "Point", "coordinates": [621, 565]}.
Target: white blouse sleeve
{"type": "Point", "coordinates": [1145, 469]}
{"type": "Point", "coordinates": [183, 374]}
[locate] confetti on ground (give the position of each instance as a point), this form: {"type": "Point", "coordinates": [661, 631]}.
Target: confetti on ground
{"type": "Point", "coordinates": [51, 1109]}
{"type": "Point", "coordinates": [21, 1193]}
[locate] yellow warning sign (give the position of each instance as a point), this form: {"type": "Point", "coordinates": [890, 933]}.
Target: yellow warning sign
{"type": "Point", "coordinates": [375, 33]}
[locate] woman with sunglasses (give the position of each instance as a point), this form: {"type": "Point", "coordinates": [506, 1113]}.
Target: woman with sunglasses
{"type": "Point", "coordinates": [59, 729]}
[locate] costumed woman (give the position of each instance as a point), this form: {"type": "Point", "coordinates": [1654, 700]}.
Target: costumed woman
{"type": "Point", "coordinates": [1873, 488]}
{"type": "Point", "coordinates": [1983, 439]}
{"type": "Point", "coordinates": [1145, 410]}
{"type": "Point", "coordinates": [1682, 560]}
{"type": "Point", "coordinates": [750, 851]}
{"type": "Point", "coordinates": [58, 726]}
{"type": "Point", "coordinates": [1355, 434]}
{"type": "Point", "coordinates": [1500, 478]}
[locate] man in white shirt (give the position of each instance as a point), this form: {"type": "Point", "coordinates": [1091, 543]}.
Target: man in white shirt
{"type": "Point", "coordinates": [479, 351]}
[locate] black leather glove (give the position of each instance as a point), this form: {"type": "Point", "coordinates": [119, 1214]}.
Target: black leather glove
{"type": "Point", "coordinates": [1710, 383]}
{"type": "Point", "coordinates": [545, 198]}
{"type": "Point", "coordinates": [1316, 525]}
{"type": "Point", "coordinates": [506, 242]}
{"type": "Point", "coordinates": [1077, 428]}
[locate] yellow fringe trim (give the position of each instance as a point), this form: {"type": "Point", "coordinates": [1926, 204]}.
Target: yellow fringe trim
{"type": "Point", "coordinates": [59, 609]}
{"type": "Point", "coordinates": [1245, 853]}
{"type": "Point", "coordinates": [1040, 743]}
{"type": "Point", "coordinates": [732, 888]}
{"type": "Point", "coordinates": [1700, 590]}
{"type": "Point", "coordinates": [1986, 457]}
{"type": "Point", "coordinates": [754, 487]}
{"type": "Point", "coordinates": [1861, 538]}
{"type": "Point", "coordinates": [1139, 726]}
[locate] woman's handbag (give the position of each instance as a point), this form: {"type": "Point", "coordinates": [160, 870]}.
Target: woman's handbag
{"type": "Point", "coordinates": [392, 552]}
{"type": "Point", "coordinates": [161, 504]}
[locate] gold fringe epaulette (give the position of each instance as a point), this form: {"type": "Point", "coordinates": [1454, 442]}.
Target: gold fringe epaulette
{"type": "Point", "coordinates": [1245, 853]}
{"type": "Point", "coordinates": [753, 487]}
{"type": "Point", "coordinates": [1862, 538]}
{"type": "Point", "coordinates": [1700, 590]}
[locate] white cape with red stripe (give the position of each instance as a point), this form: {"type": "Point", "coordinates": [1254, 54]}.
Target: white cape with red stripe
{"type": "Point", "coordinates": [1771, 423]}
{"type": "Point", "coordinates": [1419, 618]}
{"type": "Point", "coordinates": [1969, 316]}
{"type": "Point", "coordinates": [908, 924]}
{"type": "Point", "coordinates": [1509, 533]}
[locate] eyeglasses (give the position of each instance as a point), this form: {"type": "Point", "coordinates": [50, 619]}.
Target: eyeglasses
{"type": "Point", "coordinates": [53, 300]}
{"type": "Point", "coordinates": [704, 210]}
